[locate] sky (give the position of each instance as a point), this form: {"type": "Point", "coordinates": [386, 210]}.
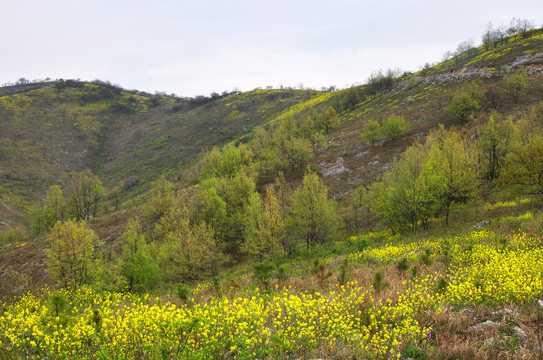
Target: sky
{"type": "Point", "coordinates": [196, 47]}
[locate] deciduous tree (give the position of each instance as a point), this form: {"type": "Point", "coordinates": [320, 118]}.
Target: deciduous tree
{"type": "Point", "coordinates": [86, 193]}
{"type": "Point", "coordinates": [72, 260]}
{"type": "Point", "coordinates": [312, 216]}
{"type": "Point", "coordinates": [138, 267]}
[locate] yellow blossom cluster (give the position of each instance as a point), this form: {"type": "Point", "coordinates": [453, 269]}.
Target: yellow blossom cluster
{"type": "Point", "coordinates": [506, 271]}
{"type": "Point", "coordinates": [282, 324]}
{"type": "Point", "coordinates": [500, 204]}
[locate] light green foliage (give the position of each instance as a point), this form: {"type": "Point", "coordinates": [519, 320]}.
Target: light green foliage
{"type": "Point", "coordinates": [53, 210]}
{"type": "Point", "coordinates": [536, 114]}
{"type": "Point", "coordinates": [188, 252]}
{"type": "Point", "coordinates": [415, 187]}
{"type": "Point", "coordinates": [426, 179]}
{"type": "Point", "coordinates": [211, 209]}
{"type": "Point", "coordinates": [410, 192]}
{"type": "Point", "coordinates": [312, 216]}
{"type": "Point", "coordinates": [222, 203]}
{"type": "Point", "coordinates": [226, 162]}
{"type": "Point", "coordinates": [514, 85]}
{"type": "Point", "coordinates": [72, 260]}
{"type": "Point", "coordinates": [86, 193]}
{"type": "Point", "coordinates": [394, 127]}
{"type": "Point", "coordinates": [317, 142]}
{"type": "Point", "coordinates": [466, 103]}
{"type": "Point", "coordinates": [138, 268]}
{"type": "Point", "coordinates": [495, 141]}
{"type": "Point", "coordinates": [306, 123]}
{"type": "Point", "coordinates": [162, 192]}
{"type": "Point", "coordinates": [329, 119]}
{"type": "Point", "coordinates": [372, 132]}
{"type": "Point", "coordinates": [285, 148]}
{"type": "Point", "coordinates": [459, 171]}
{"type": "Point", "coordinates": [359, 201]}
{"type": "Point", "coordinates": [264, 226]}
{"type": "Point", "coordinates": [523, 167]}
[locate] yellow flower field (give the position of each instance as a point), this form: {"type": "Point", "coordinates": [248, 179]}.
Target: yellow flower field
{"type": "Point", "coordinates": [283, 323]}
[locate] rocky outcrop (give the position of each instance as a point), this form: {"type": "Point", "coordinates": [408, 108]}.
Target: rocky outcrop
{"type": "Point", "coordinates": [335, 169]}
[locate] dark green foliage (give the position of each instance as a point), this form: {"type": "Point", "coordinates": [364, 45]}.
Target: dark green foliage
{"type": "Point", "coordinates": [442, 285]}
{"type": "Point", "coordinates": [379, 283]}
{"type": "Point", "coordinates": [495, 141]}
{"type": "Point", "coordinates": [414, 272]}
{"type": "Point", "coordinates": [351, 99]}
{"type": "Point", "coordinates": [413, 352]}
{"type": "Point", "coordinates": [96, 320]}
{"type": "Point", "coordinates": [281, 273]}
{"type": "Point", "coordinates": [402, 265]}
{"type": "Point", "coordinates": [182, 292]}
{"type": "Point", "coordinates": [321, 271]}
{"type": "Point", "coordinates": [59, 304]}
{"type": "Point", "coordinates": [263, 274]}
{"type": "Point", "coordinates": [343, 276]}
{"type": "Point", "coordinates": [382, 82]}
{"type": "Point", "coordinates": [363, 243]}
{"type": "Point", "coordinates": [426, 257]}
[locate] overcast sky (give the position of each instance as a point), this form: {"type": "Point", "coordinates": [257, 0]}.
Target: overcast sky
{"type": "Point", "coordinates": [199, 46]}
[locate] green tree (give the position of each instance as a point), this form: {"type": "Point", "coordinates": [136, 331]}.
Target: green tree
{"type": "Point", "coordinates": [52, 211]}
{"type": "Point", "coordinates": [359, 202]}
{"type": "Point", "coordinates": [226, 162]}
{"type": "Point", "coordinates": [312, 216]}
{"type": "Point", "coordinates": [515, 84]}
{"type": "Point", "coordinates": [212, 210]}
{"type": "Point", "coordinates": [466, 103]}
{"type": "Point", "coordinates": [410, 193]}
{"type": "Point", "coordinates": [372, 132]}
{"type": "Point", "coordinates": [188, 252]}
{"type": "Point", "coordinates": [162, 200]}
{"type": "Point", "coordinates": [71, 259]}
{"type": "Point", "coordinates": [458, 167]}
{"type": "Point", "coordinates": [263, 225]}
{"type": "Point", "coordinates": [236, 193]}
{"type": "Point", "coordinates": [495, 140]}
{"type": "Point", "coordinates": [138, 267]}
{"type": "Point", "coordinates": [329, 119]}
{"type": "Point", "coordinates": [394, 127]}
{"type": "Point", "coordinates": [350, 100]}
{"type": "Point", "coordinates": [536, 114]}
{"type": "Point", "coordinates": [523, 167]}
{"type": "Point", "coordinates": [86, 193]}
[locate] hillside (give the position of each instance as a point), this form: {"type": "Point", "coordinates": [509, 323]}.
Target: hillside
{"type": "Point", "coordinates": [129, 139]}
{"type": "Point", "coordinates": [266, 226]}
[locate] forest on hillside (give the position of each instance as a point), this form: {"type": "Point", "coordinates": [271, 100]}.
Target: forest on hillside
{"type": "Point", "coordinates": [246, 251]}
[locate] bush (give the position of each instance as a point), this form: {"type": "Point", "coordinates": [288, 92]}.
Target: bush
{"type": "Point", "coordinates": [394, 127]}
{"type": "Point", "coordinates": [465, 103]}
